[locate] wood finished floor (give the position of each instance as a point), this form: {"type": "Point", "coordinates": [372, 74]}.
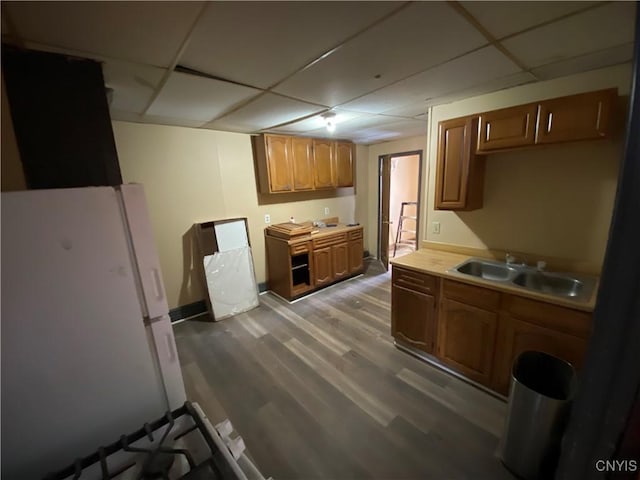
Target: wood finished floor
{"type": "Point", "coordinates": [318, 391]}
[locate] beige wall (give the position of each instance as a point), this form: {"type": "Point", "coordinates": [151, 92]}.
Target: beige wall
{"type": "Point", "coordinates": [12, 174]}
{"type": "Point", "coordinates": [193, 175]}
{"type": "Point", "coordinates": [553, 201]}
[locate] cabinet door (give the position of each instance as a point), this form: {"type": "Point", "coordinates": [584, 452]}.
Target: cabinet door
{"type": "Point", "coordinates": [344, 164]}
{"type": "Point", "coordinates": [355, 255]}
{"type": "Point", "coordinates": [340, 254]}
{"type": "Point", "coordinates": [459, 172]}
{"type": "Point", "coordinates": [507, 128]}
{"type": "Point", "coordinates": [516, 336]}
{"type": "Point", "coordinates": [413, 317]}
{"type": "Point", "coordinates": [323, 164]}
{"type": "Point", "coordinates": [278, 153]}
{"type": "Point", "coordinates": [577, 117]}
{"type": "Point", "coordinates": [302, 162]}
{"type": "Point", "coordinates": [467, 338]}
{"type": "Point", "coordinates": [322, 266]}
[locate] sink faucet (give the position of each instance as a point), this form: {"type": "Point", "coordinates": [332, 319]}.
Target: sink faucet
{"type": "Point", "coordinates": [541, 265]}
{"type": "Point", "coordinates": [512, 260]}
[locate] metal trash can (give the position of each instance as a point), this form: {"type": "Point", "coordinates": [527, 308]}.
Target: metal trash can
{"type": "Point", "coordinates": [542, 388]}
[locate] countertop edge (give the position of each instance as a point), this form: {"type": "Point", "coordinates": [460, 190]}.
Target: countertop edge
{"type": "Point", "coordinates": [460, 258]}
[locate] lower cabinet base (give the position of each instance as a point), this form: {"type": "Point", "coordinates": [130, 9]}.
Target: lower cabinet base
{"type": "Point", "coordinates": [313, 290]}
{"type": "Point", "coordinates": [430, 359]}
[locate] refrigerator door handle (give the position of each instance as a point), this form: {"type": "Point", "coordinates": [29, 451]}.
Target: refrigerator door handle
{"type": "Point", "coordinates": [170, 349]}
{"type": "Point", "coordinates": [156, 281]}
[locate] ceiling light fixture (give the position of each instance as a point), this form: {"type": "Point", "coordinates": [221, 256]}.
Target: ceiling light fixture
{"type": "Point", "coordinates": [330, 121]}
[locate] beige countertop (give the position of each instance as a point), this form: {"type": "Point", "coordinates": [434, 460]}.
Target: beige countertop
{"type": "Point", "coordinates": [320, 232]}
{"type": "Point", "coordinates": [437, 262]}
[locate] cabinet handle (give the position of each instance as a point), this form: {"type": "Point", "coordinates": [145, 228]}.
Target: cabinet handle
{"type": "Point", "coordinates": [549, 120]}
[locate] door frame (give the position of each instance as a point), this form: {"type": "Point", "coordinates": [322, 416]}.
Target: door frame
{"type": "Point", "coordinates": [420, 154]}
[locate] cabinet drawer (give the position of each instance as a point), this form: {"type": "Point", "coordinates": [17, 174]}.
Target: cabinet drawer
{"type": "Point", "coordinates": [299, 248]}
{"type": "Point", "coordinates": [551, 316]}
{"type": "Point", "coordinates": [420, 282]}
{"type": "Point", "coordinates": [355, 235]}
{"type": "Point", "coordinates": [329, 240]}
{"type": "Point", "coordinates": [471, 295]}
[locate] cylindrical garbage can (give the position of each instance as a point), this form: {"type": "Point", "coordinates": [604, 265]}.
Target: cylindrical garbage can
{"type": "Point", "coordinates": [542, 387]}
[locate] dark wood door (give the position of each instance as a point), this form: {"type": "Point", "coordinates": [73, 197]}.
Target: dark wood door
{"type": "Point", "coordinates": [507, 128]}
{"type": "Point", "coordinates": [344, 164]}
{"type": "Point", "coordinates": [356, 251]}
{"type": "Point", "coordinates": [516, 336]}
{"type": "Point", "coordinates": [459, 172]}
{"type": "Point", "coordinates": [385, 195]}
{"type": "Point", "coordinates": [302, 162]}
{"type": "Point", "coordinates": [322, 266]}
{"type": "Point", "coordinates": [278, 156]}
{"type": "Point", "coordinates": [413, 317]}
{"type": "Point", "coordinates": [577, 117]}
{"type": "Point", "coordinates": [340, 259]}
{"type": "Point", "coordinates": [467, 338]}
{"type": "Point", "coordinates": [323, 164]}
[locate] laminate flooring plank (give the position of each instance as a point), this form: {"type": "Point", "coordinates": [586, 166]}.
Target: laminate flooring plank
{"type": "Point", "coordinates": [318, 390]}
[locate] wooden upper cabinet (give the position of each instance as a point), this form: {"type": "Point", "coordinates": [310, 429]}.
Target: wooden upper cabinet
{"type": "Point", "coordinates": [344, 164]}
{"type": "Point", "coordinates": [302, 162]}
{"type": "Point", "coordinates": [323, 164]}
{"type": "Point", "coordinates": [577, 117]}
{"type": "Point", "coordinates": [278, 151]}
{"type": "Point", "coordinates": [507, 128]}
{"type": "Point", "coordinates": [296, 164]}
{"type": "Point", "coordinates": [459, 172]}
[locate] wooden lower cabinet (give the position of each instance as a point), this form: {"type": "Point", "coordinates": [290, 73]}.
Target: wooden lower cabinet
{"type": "Point", "coordinates": [516, 336]}
{"type": "Point", "coordinates": [479, 332]}
{"type": "Point", "coordinates": [322, 266]}
{"type": "Point", "coordinates": [414, 319]}
{"type": "Point", "coordinates": [340, 259]}
{"type": "Point", "coordinates": [467, 339]}
{"type": "Point", "coordinates": [356, 260]}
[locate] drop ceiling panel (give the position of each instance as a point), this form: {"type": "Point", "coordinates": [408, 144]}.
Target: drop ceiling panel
{"type": "Point", "coordinates": [264, 112]}
{"type": "Point", "coordinates": [583, 63]}
{"type": "Point", "coordinates": [143, 32]}
{"type": "Point", "coordinates": [390, 131]}
{"type": "Point", "coordinates": [260, 43]}
{"type": "Point", "coordinates": [197, 98]}
{"type": "Point", "coordinates": [487, 87]}
{"type": "Point", "coordinates": [504, 18]}
{"type": "Point", "coordinates": [156, 119]}
{"type": "Point", "coordinates": [317, 123]}
{"type": "Point", "coordinates": [596, 29]}
{"type": "Point", "coordinates": [475, 68]}
{"type": "Point", "coordinates": [408, 42]}
{"type": "Point", "coordinates": [133, 84]}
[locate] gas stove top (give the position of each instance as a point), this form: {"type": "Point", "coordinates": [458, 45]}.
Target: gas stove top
{"type": "Point", "coordinates": [181, 445]}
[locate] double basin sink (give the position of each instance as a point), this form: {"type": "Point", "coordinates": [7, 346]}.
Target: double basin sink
{"type": "Point", "coordinates": [529, 278]}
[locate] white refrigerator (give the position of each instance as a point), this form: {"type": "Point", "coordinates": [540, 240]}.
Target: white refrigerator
{"type": "Point", "coordinates": [88, 351]}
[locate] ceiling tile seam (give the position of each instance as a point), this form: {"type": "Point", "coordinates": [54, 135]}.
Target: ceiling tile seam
{"type": "Point", "coordinates": [464, 13]}
{"type": "Point", "coordinates": [14, 35]}
{"type": "Point", "coordinates": [564, 60]}
{"type": "Point", "coordinates": [554, 20]}
{"type": "Point", "coordinates": [176, 59]}
{"type": "Point", "coordinates": [341, 44]}
{"type": "Point", "coordinates": [300, 119]}
{"type": "Point", "coordinates": [484, 45]}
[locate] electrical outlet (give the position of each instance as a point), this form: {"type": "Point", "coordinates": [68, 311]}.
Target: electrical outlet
{"type": "Point", "coordinates": [267, 218]}
{"type": "Point", "coordinates": [435, 227]}
{"type": "Point", "coordinates": [326, 210]}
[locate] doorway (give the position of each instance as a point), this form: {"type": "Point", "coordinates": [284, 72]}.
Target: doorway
{"type": "Point", "coordinates": [399, 209]}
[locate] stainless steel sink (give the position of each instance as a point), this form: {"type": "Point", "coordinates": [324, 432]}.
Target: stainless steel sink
{"type": "Point", "coordinates": [577, 287]}
{"type": "Point", "coordinates": [550, 283]}
{"type": "Point", "coordinates": [486, 270]}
